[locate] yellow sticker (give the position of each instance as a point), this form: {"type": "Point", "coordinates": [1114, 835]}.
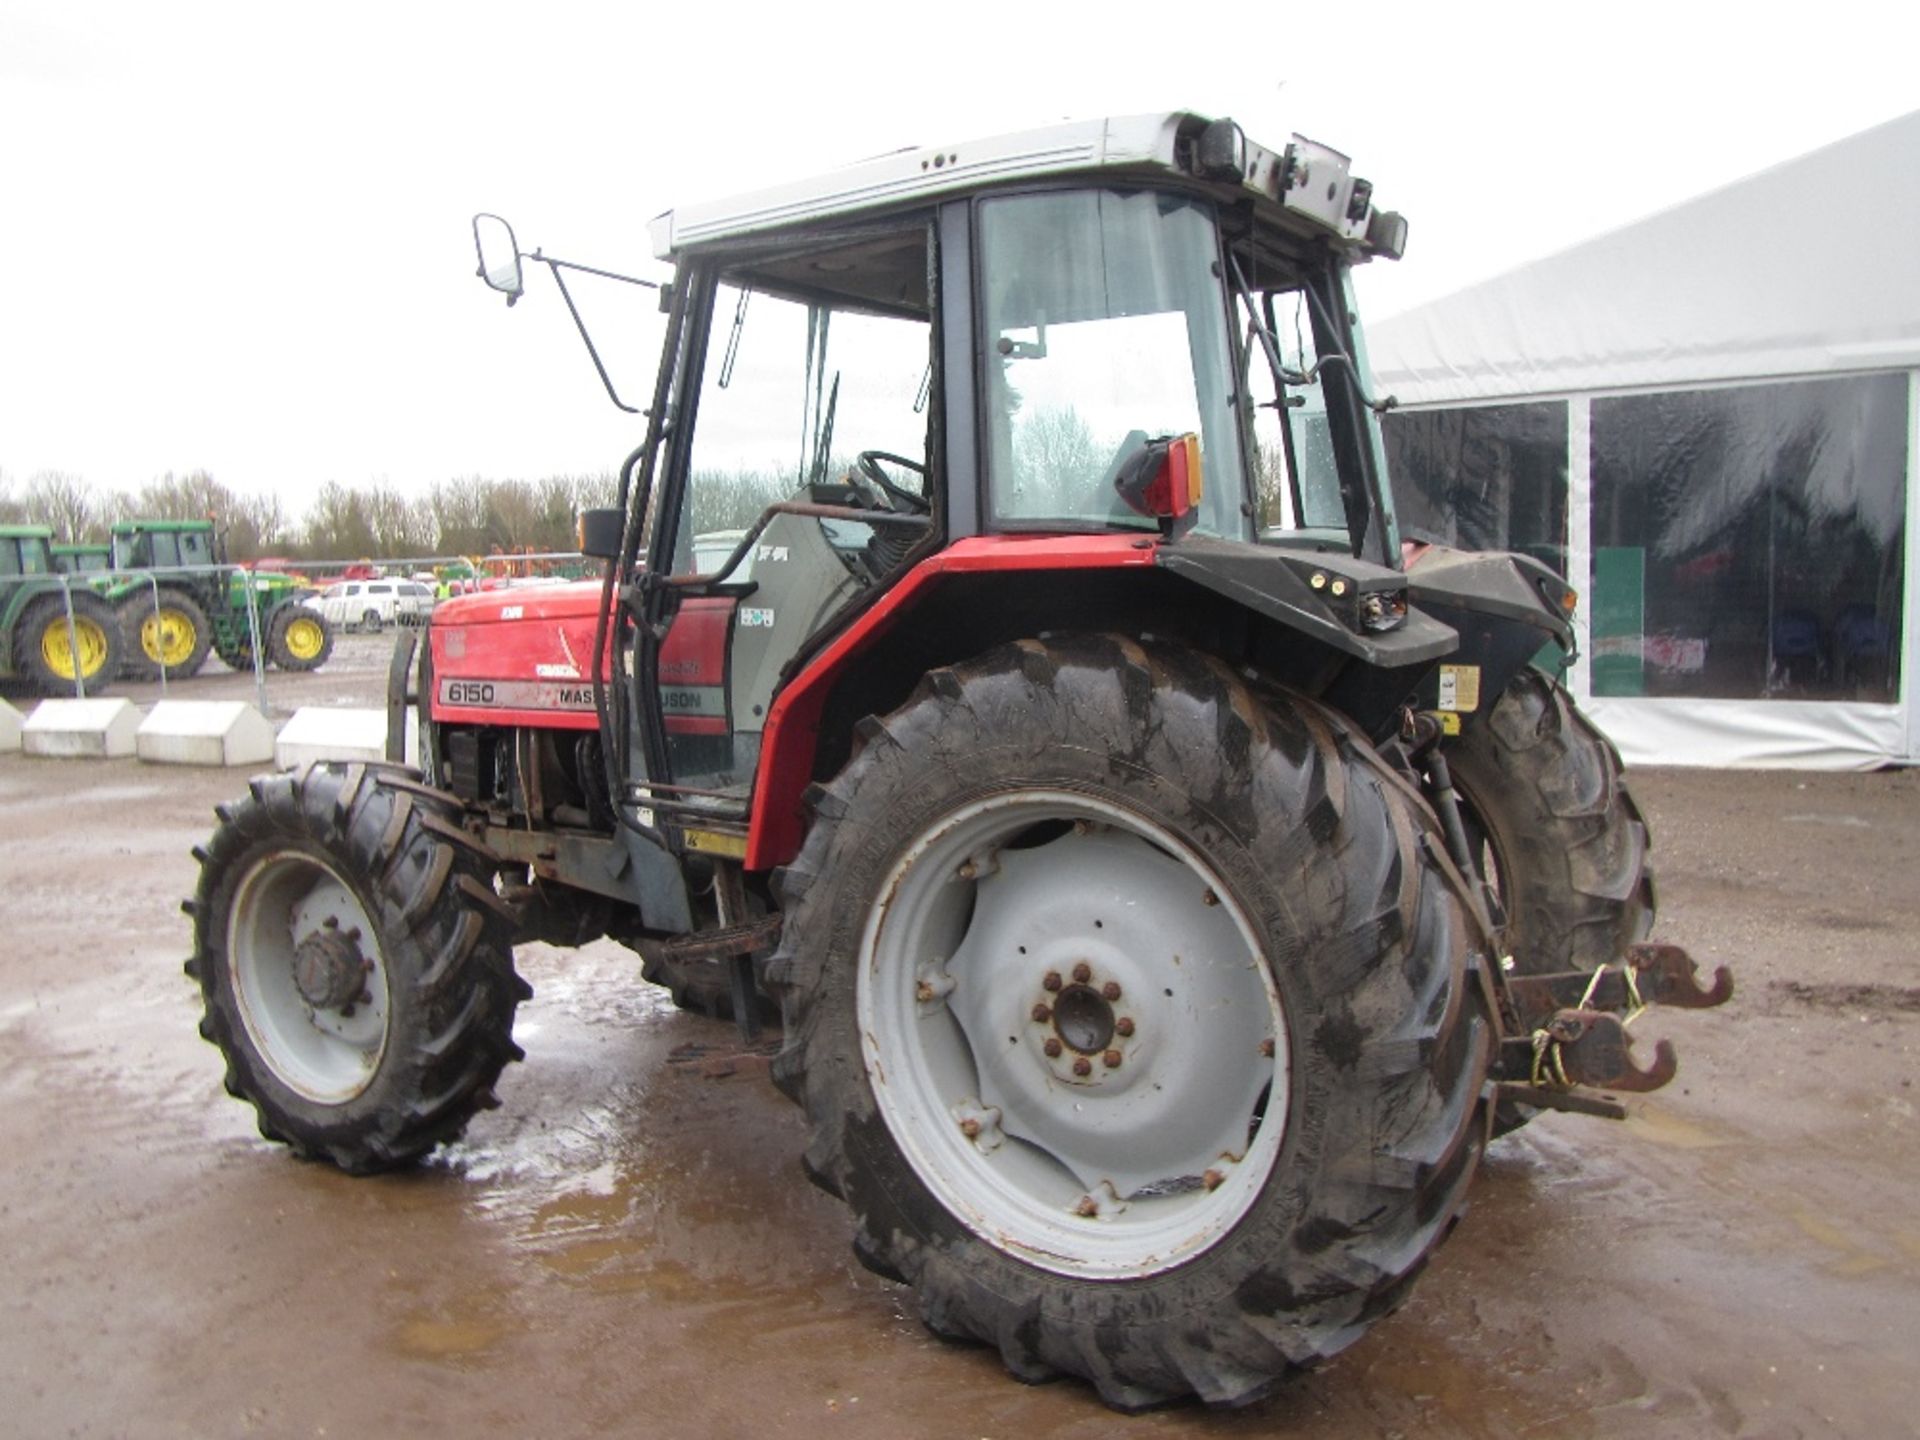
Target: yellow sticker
{"type": "Point", "coordinates": [713, 842]}
{"type": "Point", "coordinates": [1460, 688]}
{"type": "Point", "coordinates": [1449, 723]}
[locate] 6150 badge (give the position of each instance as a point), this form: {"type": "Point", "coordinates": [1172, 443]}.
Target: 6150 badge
{"type": "Point", "coordinates": [515, 694]}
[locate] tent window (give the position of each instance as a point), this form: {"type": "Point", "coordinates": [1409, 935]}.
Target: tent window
{"type": "Point", "coordinates": [1483, 477]}
{"type": "Point", "coordinates": [1748, 542]}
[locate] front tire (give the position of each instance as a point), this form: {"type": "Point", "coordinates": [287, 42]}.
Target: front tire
{"type": "Point", "coordinates": [299, 639]}
{"type": "Point", "coordinates": [1249, 1171]}
{"type": "Point", "coordinates": [355, 963]}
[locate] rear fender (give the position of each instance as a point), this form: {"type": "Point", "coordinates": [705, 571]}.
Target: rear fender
{"type": "Point", "coordinates": [1509, 611]}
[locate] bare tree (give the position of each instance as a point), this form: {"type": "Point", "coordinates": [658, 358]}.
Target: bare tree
{"type": "Point", "coordinates": [65, 502]}
{"type": "Point", "coordinates": [1056, 462]}
{"type": "Point", "coordinates": [13, 510]}
{"type": "Point", "coordinates": [339, 524]}
{"type": "Point", "coordinates": [459, 516]}
{"type": "Point", "coordinates": [401, 526]}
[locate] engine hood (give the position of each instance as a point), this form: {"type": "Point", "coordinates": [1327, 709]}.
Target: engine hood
{"type": "Point", "coordinates": [566, 601]}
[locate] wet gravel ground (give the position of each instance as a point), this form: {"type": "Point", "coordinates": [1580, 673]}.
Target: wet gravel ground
{"type": "Point", "coordinates": [628, 1245]}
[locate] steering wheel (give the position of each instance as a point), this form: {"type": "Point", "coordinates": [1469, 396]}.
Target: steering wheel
{"type": "Point", "coordinates": [903, 498]}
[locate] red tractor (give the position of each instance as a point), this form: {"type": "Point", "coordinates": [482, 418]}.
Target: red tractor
{"type": "Point", "coordinates": [1007, 667]}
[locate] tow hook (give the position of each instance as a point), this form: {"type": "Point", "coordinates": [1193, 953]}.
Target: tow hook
{"type": "Point", "coordinates": [1570, 1030]}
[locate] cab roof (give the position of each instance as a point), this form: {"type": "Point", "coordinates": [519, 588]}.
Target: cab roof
{"type": "Point", "coordinates": [1306, 186]}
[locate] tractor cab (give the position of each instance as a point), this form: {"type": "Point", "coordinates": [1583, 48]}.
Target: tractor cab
{"type": "Point", "coordinates": [1137, 335]}
{"type": "Point", "coordinates": [162, 544]}
{"type": "Point", "coordinates": [26, 550]}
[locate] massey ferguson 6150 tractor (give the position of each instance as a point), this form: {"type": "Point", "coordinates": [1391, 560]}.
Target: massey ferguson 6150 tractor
{"type": "Point", "coordinates": [1007, 667]}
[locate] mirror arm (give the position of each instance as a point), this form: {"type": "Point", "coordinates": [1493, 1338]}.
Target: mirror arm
{"type": "Point", "coordinates": [552, 264]}
{"type": "Point", "coordinates": [581, 325]}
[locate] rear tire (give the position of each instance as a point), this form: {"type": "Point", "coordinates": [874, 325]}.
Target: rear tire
{"type": "Point", "coordinates": [355, 963]}
{"type": "Point", "coordinates": [175, 637]}
{"type": "Point", "coordinates": [1297, 1109]}
{"type": "Point", "coordinates": [44, 650]}
{"type": "Point", "coordinates": [1554, 829]}
{"type": "Point", "coordinates": [299, 638]}
{"type": "Point", "coordinates": [1545, 798]}
{"type": "Point", "coordinates": [370, 622]}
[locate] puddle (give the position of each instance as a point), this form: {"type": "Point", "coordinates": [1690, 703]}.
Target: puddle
{"type": "Point", "coordinates": [426, 1338]}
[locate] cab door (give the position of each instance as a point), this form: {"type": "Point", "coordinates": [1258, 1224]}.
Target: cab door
{"type": "Point", "coordinates": [801, 484]}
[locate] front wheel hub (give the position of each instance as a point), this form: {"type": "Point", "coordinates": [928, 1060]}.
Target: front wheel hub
{"type": "Point", "coordinates": [329, 970]}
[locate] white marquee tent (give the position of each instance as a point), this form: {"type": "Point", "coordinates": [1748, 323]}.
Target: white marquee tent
{"type": "Point", "coordinates": [1736, 381]}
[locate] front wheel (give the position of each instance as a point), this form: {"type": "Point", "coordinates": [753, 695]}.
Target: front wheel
{"type": "Point", "coordinates": [299, 638]}
{"type": "Point", "coordinates": [1133, 1017]}
{"type": "Point", "coordinates": [370, 622]}
{"type": "Point", "coordinates": [355, 963]}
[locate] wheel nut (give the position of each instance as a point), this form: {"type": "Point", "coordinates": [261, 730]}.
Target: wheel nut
{"type": "Point", "coordinates": [1111, 990]}
{"type": "Point", "coordinates": [1052, 982]}
{"type": "Point", "coordinates": [1111, 1059]}
{"type": "Point", "coordinates": [923, 992]}
{"type": "Point", "coordinates": [1087, 1208]}
{"type": "Point", "coordinates": [969, 870]}
{"type": "Point", "coordinates": [1052, 1047]}
{"type": "Point", "coordinates": [1266, 1048]}
{"type": "Point", "coordinates": [970, 1128]}
{"type": "Point", "coordinates": [1041, 1014]}
{"type": "Point", "coordinates": [1213, 1179]}
{"type": "Point", "coordinates": [1210, 898]}
{"type": "Point", "coordinates": [1123, 1026]}
{"type": "Point", "coordinates": [1082, 973]}
{"type": "Point", "coordinates": [1083, 1066]}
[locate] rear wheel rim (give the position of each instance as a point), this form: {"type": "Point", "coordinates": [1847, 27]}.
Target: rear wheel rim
{"type": "Point", "coordinates": [1072, 1034]}
{"type": "Point", "coordinates": [326, 1049]}
{"type": "Point", "coordinates": [168, 638]}
{"type": "Point", "coordinates": [59, 654]}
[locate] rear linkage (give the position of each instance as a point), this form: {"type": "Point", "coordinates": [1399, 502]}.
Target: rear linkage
{"type": "Point", "coordinates": [1568, 1029]}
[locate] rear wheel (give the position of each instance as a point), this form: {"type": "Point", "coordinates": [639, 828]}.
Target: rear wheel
{"type": "Point", "coordinates": [299, 638]}
{"type": "Point", "coordinates": [1134, 1018]}
{"type": "Point", "coordinates": [56, 656]}
{"type": "Point", "coordinates": [355, 963]}
{"type": "Point", "coordinates": [171, 634]}
{"type": "Point", "coordinates": [1553, 827]}
{"type": "Point", "coordinates": [370, 622]}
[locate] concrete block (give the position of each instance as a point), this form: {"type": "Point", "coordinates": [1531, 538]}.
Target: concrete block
{"type": "Point", "coordinates": [81, 729]}
{"type": "Point", "coordinates": [10, 723]}
{"type": "Point", "coordinates": [324, 732]}
{"type": "Point", "coordinates": [205, 732]}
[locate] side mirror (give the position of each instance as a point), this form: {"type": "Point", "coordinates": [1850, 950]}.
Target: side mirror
{"type": "Point", "coordinates": [499, 255]}
{"type": "Point", "coordinates": [600, 533]}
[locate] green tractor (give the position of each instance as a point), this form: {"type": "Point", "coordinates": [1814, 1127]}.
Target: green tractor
{"type": "Point", "coordinates": [173, 622]}
{"type": "Point", "coordinates": [37, 641]}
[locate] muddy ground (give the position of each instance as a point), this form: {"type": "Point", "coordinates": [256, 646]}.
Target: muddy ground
{"type": "Point", "coordinates": [628, 1246]}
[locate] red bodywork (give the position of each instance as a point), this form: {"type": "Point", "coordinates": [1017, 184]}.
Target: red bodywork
{"type": "Point", "coordinates": [521, 657]}
{"type": "Point", "coordinates": [778, 824]}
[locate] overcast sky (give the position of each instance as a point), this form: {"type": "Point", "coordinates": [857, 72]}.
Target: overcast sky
{"type": "Point", "coordinates": [235, 237]}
